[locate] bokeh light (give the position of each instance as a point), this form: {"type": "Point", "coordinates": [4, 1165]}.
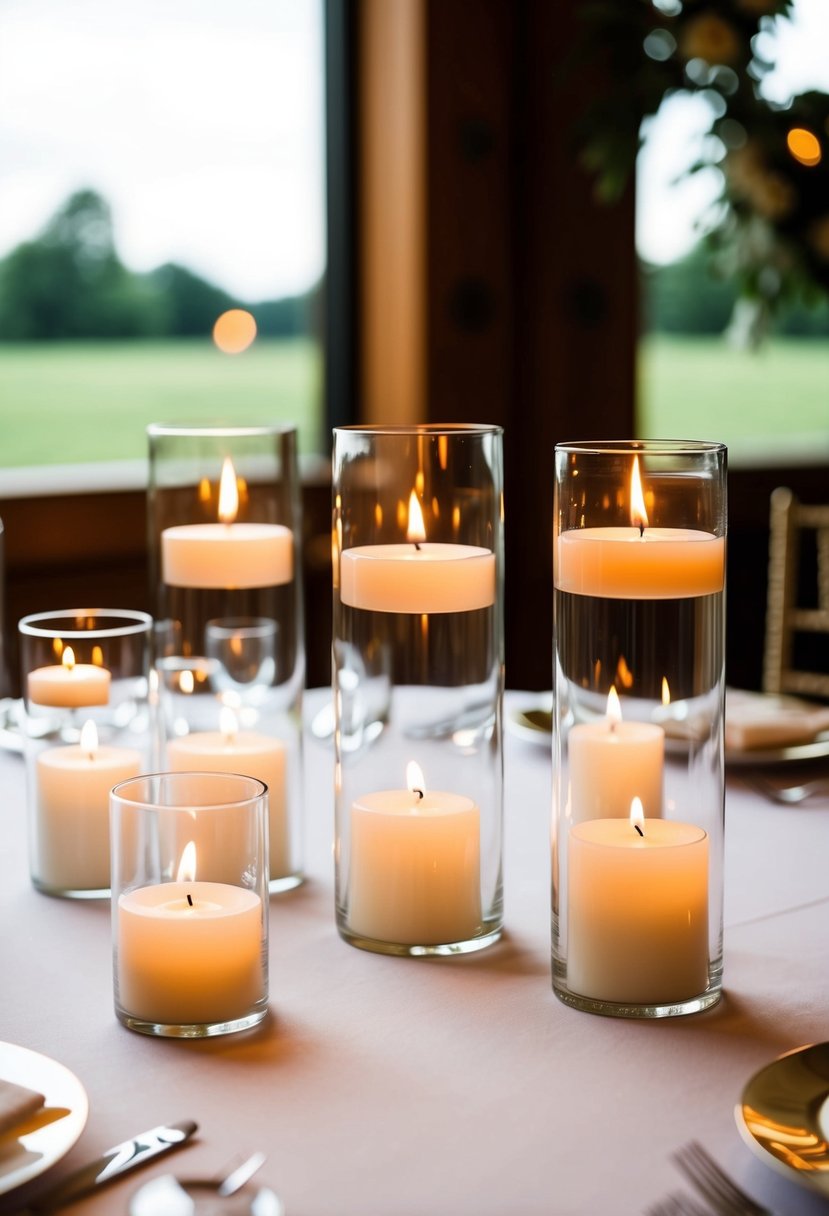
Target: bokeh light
{"type": "Point", "coordinates": [234, 331]}
{"type": "Point", "coordinates": [804, 146]}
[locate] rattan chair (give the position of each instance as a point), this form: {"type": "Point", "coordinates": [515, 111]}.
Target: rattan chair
{"type": "Point", "coordinates": [790, 520]}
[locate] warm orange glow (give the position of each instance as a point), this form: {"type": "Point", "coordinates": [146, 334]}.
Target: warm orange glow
{"type": "Point", "coordinates": [89, 739]}
{"type": "Point", "coordinates": [804, 146]}
{"type": "Point", "coordinates": [57, 647]}
{"type": "Point", "coordinates": [666, 692]}
{"type": "Point", "coordinates": [378, 515]}
{"type": "Point", "coordinates": [68, 659]}
{"type": "Point", "coordinates": [637, 814]}
{"type": "Point", "coordinates": [228, 493]}
{"type": "Point", "coordinates": [414, 777]}
{"type": "Point", "coordinates": [443, 450]}
{"type": "Point", "coordinates": [638, 514]}
{"type": "Point", "coordinates": [186, 682]}
{"type": "Point", "coordinates": [97, 656]}
{"type": "Point", "coordinates": [205, 490]}
{"type": "Point", "coordinates": [614, 708]}
{"type": "Point", "coordinates": [187, 865]}
{"type": "Point", "coordinates": [416, 530]}
{"type": "Point", "coordinates": [234, 331]}
{"type": "Point", "coordinates": [624, 675]}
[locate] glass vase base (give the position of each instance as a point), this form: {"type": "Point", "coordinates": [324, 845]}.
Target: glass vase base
{"type": "Point", "coordinates": [191, 1030]}
{"type": "Point", "coordinates": [287, 882]}
{"type": "Point", "coordinates": [615, 1009]}
{"type": "Point", "coordinates": [488, 937]}
{"type": "Point", "coordinates": [46, 888]}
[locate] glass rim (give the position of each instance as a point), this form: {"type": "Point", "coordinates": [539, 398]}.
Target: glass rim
{"type": "Point", "coordinates": [652, 447]}
{"type": "Point", "coordinates": [138, 622]}
{"type": "Point", "coordinates": [219, 430]}
{"type": "Point", "coordinates": [119, 791]}
{"type": "Point", "coordinates": [421, 428]}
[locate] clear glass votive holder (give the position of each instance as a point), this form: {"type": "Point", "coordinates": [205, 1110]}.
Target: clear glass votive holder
{"type": "Point", "coordinates": [89, 725]}
{"type": "Point", "coordinates": [638, 704]}
{"type": "Point", "coordinates": [225, 568]}
{"type": "Point", "coordinates": [418, 677]}
{"type": "Point", "coordinates": [190, 903]}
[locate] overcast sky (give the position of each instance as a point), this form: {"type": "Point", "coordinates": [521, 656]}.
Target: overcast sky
{"type": "Point", "coordinates": [201, 121]}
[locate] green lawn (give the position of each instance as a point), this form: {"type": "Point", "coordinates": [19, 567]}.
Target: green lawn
{"type": "Point", "coordinates": [92, 401]}
{"type": "Point", "coordinates": [65, 403]}
{"type": "Point", "coordinates": [701, 388]}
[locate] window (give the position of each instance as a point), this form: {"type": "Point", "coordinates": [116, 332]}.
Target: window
{"type": "Point", "coordinates": [707, 367]}
{"type": "Point", "coordinates": [160, 165]}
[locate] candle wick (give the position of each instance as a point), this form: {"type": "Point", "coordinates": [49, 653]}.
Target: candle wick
{"type": "Point", "coordinates": [417, 545]}
{"type": "Point", "coordinates": [190, 897]}
{"type": "Point", "coordinates": [641, 529]}
{"type": "Point", "coordinates": [419, 794]}
{"type": "Point", "coordinates": [638, 829]}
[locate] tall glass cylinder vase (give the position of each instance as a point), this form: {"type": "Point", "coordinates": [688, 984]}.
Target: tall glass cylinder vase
{"type": "Point", "coordinates": [637, 859]}
{"type": "Point", "coordinates": [418, 687]}
{"type": "Point", "coordinates": [225, 563]}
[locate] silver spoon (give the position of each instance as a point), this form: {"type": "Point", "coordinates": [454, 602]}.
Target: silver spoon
{"type": "Point", "coordinates": [791, 795]}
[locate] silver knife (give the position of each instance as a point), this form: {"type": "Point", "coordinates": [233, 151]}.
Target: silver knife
{"type": "Point", "coordinates": [112, 1163]}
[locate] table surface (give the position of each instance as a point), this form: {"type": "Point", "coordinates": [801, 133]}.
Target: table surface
{"type": "Point", "coordinates": [391, 1086]}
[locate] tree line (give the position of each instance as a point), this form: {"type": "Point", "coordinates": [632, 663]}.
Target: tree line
{"type": "Point", "coordinates": [68, 282]}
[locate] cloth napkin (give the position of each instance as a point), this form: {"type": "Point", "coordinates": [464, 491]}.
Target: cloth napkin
{"type": "Point", "coordinates": [757, 720]}
{"type": "Point", "coordinates": [17, 1104]}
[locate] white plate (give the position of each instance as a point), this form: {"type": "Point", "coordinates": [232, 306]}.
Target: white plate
{"type": "Point", "coordinates": [782, 1115]}
{"type": "Point", "coordinates": [23, 1158]}
{"type": "Point", "coordinates": [533, 724]}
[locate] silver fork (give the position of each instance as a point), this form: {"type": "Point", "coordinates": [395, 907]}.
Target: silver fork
{"type": "Point", "coordinates": [703, 1172]}
{"type": "Point", "coordinates": [791, 795]}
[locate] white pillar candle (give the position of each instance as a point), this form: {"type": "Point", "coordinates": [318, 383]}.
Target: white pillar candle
{"type": "Point", "coordinates": [414, 868]}
{"type": "Point", "coordinates": [637, 911]}
{"type": "Point", "coordinates": [71, 837]}
{"type": "Point", "coordinates": [227, 555]}
{"type": "Point", "coordinates": [230, 750]}
{"type": "Point", "coordinates": [69, 685]}
{"type": "Point", "coordinates": [639, 562]}
{"type": "Point", "coordinates": [611, 762]}
{"type": "Point", "coordinates": [417, 576]}
{"type": "Point", "coordinates": [183, 964]}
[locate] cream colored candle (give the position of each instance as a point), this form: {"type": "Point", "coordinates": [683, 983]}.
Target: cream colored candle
{"type": "Point", "coordinates": [227, 554]}
{"type": "Point", "coordinates": [183, 964]}
{"type": "Point", "coordinates": [71, 836]}
{"type": "Point", "coordinates": [611, 762]}
{"type": "Point", "coordinates": [414, 869]}
{"type": "Point", "coordinates": [639, 562]}
{"type": "Point", "coordinates": [637, 911]}
{"type": "Point", "coordinates": [417, 576]}
{"type": "Point", "coordinates": [69, 685]}
{"type": "Point", "coordinates": [230, 750]}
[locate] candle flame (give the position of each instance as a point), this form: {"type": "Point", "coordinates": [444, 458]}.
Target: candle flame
{"type": "Point", "coordinates": [614, 707]}
{"type": "Point", "coordinates": [89, 739]}
{"type": "Point", "coordinates": [228, 493]}
{"type": "Point", "coordinates": [637, 815]}
{"type": "Point", "coordinates": [416, 531]}
{"type": "Point", "coordinates": [68, 659]}
{"type": "Point", "coordinates": [187, 865]}
{"type": "Point", "coordinates": [57, 647]}
{"type": "Point", "coordinates": [228, 723]}
{"type": "Point", "coordinates": [624, 675]}
{"type": "Point", "coordinates": [666, 692]}
{"type": "Point", "coordinates": [638, 514]}
{"type": "Point", "coordinates": [414, 777]}
{"type": "Point", "coordinates": [186, 682]}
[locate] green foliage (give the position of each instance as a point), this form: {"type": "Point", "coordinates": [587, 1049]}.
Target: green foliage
{"type": "Point", "coordinates": [69, 283]}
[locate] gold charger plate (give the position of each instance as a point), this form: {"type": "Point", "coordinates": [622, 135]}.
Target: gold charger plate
{"type": "Point", "coordinates": [783, 1115]}
{"type": "Point", "coordinates": [24, 1154]}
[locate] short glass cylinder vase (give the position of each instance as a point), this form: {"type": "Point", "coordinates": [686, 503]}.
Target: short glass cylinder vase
{"type": "Point", "coordinates": [226, 569]}
{"type": "Point", "coordinates": [190, 903]}
{"type": "Point", "coordinates": [418, 679]}
{"type": "Point", "coordinates": [638, 703]}
{"type": "Point", "coordinates": [89, 725]}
